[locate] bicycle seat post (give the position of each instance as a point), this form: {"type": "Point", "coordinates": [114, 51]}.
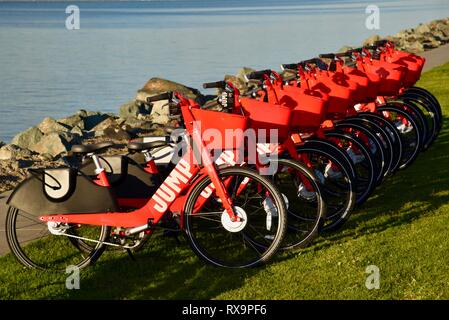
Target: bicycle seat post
{"type": "Point", "coordinates": [102, 178]}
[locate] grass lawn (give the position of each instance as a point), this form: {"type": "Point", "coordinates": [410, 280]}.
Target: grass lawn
{"type": "Point", "coordinates": [403, 229]}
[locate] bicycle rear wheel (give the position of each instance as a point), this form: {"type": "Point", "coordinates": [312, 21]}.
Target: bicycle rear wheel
{"type": "Point", "coordinates": [336, 183]}
{"type": "Point", "coordinates": [251, 241]}
{"type": "Point", "coordinates": [306, 208]}
{"type": "Point", "coordinates": [410, 133]}
{"type": "Point", "coordinates": [43, 246]}
{"type": "Point", "coordinates": [362, 159]}
{"type": "Point", "coordinates": [371, 141]}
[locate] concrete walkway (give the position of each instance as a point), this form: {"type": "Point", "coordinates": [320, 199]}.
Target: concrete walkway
{"type": "Point", "coordinates": [3, 244]}
{"type": "Point", "coordinates": [436, 57]}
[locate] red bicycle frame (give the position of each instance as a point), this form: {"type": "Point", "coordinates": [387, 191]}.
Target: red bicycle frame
{"type": "Point", "coordinates": [170, 196]}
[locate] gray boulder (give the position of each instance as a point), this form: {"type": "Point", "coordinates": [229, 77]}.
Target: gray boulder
{"type": "Point", "coordinates": [51, 125]}
{"type": "Point", "coordinates": [238, 82]}
{"type": "Point", "coordinates": [371, 39]}
{"type": "Point", "coordinates": [109, 122]}
{"type": "Point", "coordinates": [55, 143]}
{"type": "Point", "coordinates": [72, 121]}
{"type": "Point", "coordinates": [77, 130]}
{"type": "Point", "coordinates": [117, 133]}
{"type": "Point", "coordinates": [422, 28]}
{"type": "Point", "coordinates": [158, 85]}
{"type": "Point", "coordinates": [11, 151]}
{"type": "Point", "coordinates": [132, 109]}
{"type": "Point", "coordinates": [345, 48]}
{"type": "Point", "coordinates": [160, 112]}
{"type": "Point", "coordinates": [28, 138]}
{"type": "Point", "coordinates": [244, 71]}
{"type": "Point", "coordinates": [414, 47]}
{"type": "Point", "coordinates": [6, 153]}
{"type": "Point", "coordinates": [93, 118]}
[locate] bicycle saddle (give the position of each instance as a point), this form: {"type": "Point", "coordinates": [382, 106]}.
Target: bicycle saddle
{"type": "Point", "coordinates": [89, 148]}
{"type": "Point", "coordinates": [140, 146]}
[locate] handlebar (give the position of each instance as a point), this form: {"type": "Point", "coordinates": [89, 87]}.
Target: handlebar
{"type": "Point", "coordinates": [258, 75]}
{"type": "Point", "coordinates": [159, 97]}
{"type": "Point", "coordinates": [304, 62]}
{"type": "Point", "coordinates": [381, 43]}
{"type": "Point", "coordinates": [291, 66]}
{"type": "Point", "coordinates": [327, 55]}
{"type": "Point", "coordinates": [217, 84]}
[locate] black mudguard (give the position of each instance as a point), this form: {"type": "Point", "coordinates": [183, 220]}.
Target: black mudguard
{"type": "Point", "coordinates": [84, 196]}
{"type": "Point", "coordinates": [128, 179]}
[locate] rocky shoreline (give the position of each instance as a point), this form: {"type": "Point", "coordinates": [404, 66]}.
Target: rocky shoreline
{"type": "Point", "coordinates": [48, 143]}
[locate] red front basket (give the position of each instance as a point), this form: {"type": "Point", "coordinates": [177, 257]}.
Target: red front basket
{"type": "Point", "coordinates": [217, 128]}
{"type": "Point", "coordinates": [309, 107]}
{"type": "Point", "coordinates": [266, 116]}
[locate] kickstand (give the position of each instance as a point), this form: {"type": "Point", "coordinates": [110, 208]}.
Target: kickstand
{"type": "Point", "coordinates": [130, 254]}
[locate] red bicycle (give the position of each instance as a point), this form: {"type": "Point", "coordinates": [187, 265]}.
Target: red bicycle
{"type": "Point", "coordinates": [226, 225]}
{"type": "Point", "coordinates": [336, 180]}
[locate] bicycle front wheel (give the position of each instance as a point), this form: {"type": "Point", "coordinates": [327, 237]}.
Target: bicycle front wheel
{"type": "Point", "coordinates": [249, 242]}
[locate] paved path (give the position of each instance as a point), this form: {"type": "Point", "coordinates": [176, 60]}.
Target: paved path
{"type": "Point", "coordinates": [3, 244]}
{"type": "Point", "coordinates": [436, 57]}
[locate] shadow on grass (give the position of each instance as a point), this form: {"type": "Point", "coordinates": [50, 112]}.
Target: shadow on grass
{"type": "Point", "coordinates": [163, 270]}
{"type": "Point", "coordinates": [419, 190]}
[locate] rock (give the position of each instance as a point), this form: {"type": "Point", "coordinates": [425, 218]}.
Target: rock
{"type": "Point", "coordinates": [27, 138]}
{"type": "Point", "coordinates": [5, 154]}
{"type": "Point", "coordinates": [25, 163]}
{"type": "Point", "coordinates": [430, 43]}
{"type": "Point", "coordinates": [160, 112]}
{"type": "Point", "coordinates": [244, 71]}
{"type": "Point", "coordinates": [371, 39]}
{"type": "Point", "coordinates": [345, 48]}
{"type": "Point", "coordinates": [132, 109]}
{"type": "Point", "coordinates": [157, 85]}
{"type": "Point", "coordinates": [78, 131]}
{"type": "Point", "coordinates": [2, 144]}
{"type": "Point", "coordinates": [440, 36]}
{"type": "Point", "coordinates": [51, 125]}
{"type": "Point", "coordinates": [72, 121]}
{"type": "Point", "coordinates": [289, 74]}
{"type": "Point", "coordinates": [415, 47]}
{"type": "Point", "coordinates": [238, 82]}
{"type": "Point", "coordinates": [422, 28]}
{"type": "Point", "coordinates": [109, 122]}
{"type": "Point", "coordinates": [139, 123]}
{"type": "Point", "coordinates": [117, 133]}
{"type": "Point", "coordinates": [443, 28]}
{"type": "Point", "coordinates": [11, 151]}
{"type": "Point", "coordinates": [92, 119]}
{"type": "Point", "coordinates": [213, 105]}
{"type": "Point", "coordinates": [46, 157]}
{"type": "Point", "coordinates": [96, 134]}
{"type": "Point", "coordinates": [55, 143]}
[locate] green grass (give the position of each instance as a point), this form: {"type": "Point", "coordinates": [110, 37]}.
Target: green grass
{"type": "Point", "coordinates": [403, 229]}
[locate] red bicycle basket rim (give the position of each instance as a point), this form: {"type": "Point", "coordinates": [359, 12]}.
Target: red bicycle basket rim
{"type": "Point", "coordinates": [218, 130]}
{"type": "Point", "coordinates": [267, 116]}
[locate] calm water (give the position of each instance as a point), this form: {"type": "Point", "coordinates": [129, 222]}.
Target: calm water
{"type": "Point", "coordinates": [47, 70]}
